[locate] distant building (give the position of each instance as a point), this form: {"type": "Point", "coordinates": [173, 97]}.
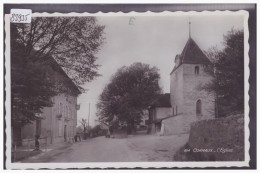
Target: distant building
{"type": "Point", "coordinates": [144, 120]}
{"type": "Point", "coordinates": [158, 111]}
{"type": "Point", "coordinates": [57, 123]}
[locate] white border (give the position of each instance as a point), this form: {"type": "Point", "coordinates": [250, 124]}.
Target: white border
{"type": "Point", "coordinates": [129, 164]}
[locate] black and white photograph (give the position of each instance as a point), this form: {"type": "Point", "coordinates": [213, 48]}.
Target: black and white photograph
{"type": "Point", "coordinates": [137, 89]}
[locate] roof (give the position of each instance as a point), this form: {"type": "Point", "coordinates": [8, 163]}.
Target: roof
{"type": "Point", "coordinates": [162, 101]}
{"type": "Point", "coordinates": [158, 120]}
{"type": "Point", "coordinates": [62, 72]}
{"type": "Point", "coordinates": [192, 54]}
{"type": "Point", "coordinates": [56, 67]}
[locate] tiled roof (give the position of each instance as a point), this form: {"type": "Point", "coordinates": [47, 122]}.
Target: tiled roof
{"type": "Point", "coordinates": [192, 54]}
{"type": "Point", "coordinates": [62, 72]}
{"type": "Point", "coordinates": [49, 60]}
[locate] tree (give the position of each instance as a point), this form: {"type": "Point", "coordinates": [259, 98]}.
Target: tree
{"type": "Point", "coordinates": [131, 90]}
{"type": "Point", "coordinates": [45, 45]}
{"type": "Point", "coordinates": [97, 131]}
{"type": "Point", "coordinates": [84, 124]}
{"type": "Point", "coordinates": [72, 41]}
{"type": "Point", "coordinates": [79, 129]}
{"type": "Point", "coordinates": [228, 71]}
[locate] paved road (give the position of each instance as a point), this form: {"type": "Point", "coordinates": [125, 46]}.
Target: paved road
{"type": "Point", "coordinates": [101, 149]}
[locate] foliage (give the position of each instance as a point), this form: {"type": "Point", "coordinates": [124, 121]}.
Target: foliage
{"type": "Point", "coordinates": [72, 41]}
{"type": "Point", "coordinates": [97, 131]}
{"type": "Point", "coordinates": [84, 124]}
{"type": "Point", "coordinates": [79, 129]}
{"type": "Point", "coordinates": [228, 70]}
{"type": "Point", "coordinates": [40, 49]}
{"type": "Point", "coordinates": [31, 92]}
{"type": "Point", "coordinates": [131, 90]}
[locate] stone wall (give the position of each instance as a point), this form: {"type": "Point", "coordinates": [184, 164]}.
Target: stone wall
{"type": "Point", "coordinates": [215, 140]}
{"type": "Point", "coordinates": [173, 125]}
{"type": "Point", "coordinates": [193, 91]}
{"type": "Point", "coordinates": [186, 90]}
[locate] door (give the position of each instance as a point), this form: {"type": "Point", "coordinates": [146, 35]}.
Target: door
{"type": "Point", "coordinates": [65, 133]}
{"type": "Point", "coordinates": [198, 108]}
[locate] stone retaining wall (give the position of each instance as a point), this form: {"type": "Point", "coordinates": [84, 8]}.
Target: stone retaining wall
{"type": "Point", "coordinates": [215, 140]}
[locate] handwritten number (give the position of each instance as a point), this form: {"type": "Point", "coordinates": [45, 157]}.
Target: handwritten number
{"type": "Point", "coordinates": [26, 17]}
{"type": "Point", "coordinates": [19, 17]}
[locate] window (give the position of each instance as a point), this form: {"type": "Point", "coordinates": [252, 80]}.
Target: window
{"type": "Point", "coordinates": [61, 108]}
{"type": "Point", "coordinates": [197, 70]}
{"type": "Point", "coordinates": [66, 111]}
{"type": "Point", "coordinates": [198, 107]}
{"type": "Point", "coordinates": [176, 110]}
{"type": "Point", "coordinates": [71, 131]}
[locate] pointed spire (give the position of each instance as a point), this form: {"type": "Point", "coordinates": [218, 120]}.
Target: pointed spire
{"type": "Point", "coordinates": [189, 28]}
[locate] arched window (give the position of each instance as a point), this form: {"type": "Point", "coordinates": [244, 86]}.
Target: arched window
{"type": "Point", "coordinates": [197, 70]}
{"type": "Point", "coordinates": [198, 107]}
{"type": "Point", "coordinates": [61, 108]}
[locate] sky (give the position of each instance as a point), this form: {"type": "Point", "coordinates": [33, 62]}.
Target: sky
{"type": "Point", "coordinates": [154, 40]}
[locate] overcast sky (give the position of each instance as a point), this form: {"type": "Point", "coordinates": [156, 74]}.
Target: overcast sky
{"type": "Point", "coordinates": [154, 40]}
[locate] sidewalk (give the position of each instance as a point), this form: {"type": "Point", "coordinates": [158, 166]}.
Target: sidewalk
{"type": "Point", "coordinates": [51, 149]}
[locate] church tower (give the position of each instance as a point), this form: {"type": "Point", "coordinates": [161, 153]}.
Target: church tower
{"type": "Point", "coordinates": [189, 101]}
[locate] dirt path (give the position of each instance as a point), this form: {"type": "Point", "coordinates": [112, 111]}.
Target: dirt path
{"type": "Point", "coordinates": [157, 148]}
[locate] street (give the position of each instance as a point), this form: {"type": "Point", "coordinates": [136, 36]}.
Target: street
{"type": "Point", "coordinates": [135, 148]}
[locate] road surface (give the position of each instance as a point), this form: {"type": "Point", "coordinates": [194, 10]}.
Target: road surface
{"type": "Point", "coordinates": [134, 148]}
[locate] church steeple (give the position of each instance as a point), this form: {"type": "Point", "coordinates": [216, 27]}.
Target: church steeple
{"type": "Point", "coordinates": [191, 54]}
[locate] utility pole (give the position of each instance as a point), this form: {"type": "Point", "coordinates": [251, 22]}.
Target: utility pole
{"type": "Point", "coordinates": [88, 114]}
{"type": "Point", "coordinates": [189, 28]}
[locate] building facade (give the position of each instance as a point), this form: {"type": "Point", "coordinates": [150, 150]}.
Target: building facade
{"type": "Point", "coordinates": [57, 123]}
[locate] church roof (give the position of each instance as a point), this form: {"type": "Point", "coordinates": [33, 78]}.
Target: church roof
{"type": "Point", "coordinates": [192, 54]}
